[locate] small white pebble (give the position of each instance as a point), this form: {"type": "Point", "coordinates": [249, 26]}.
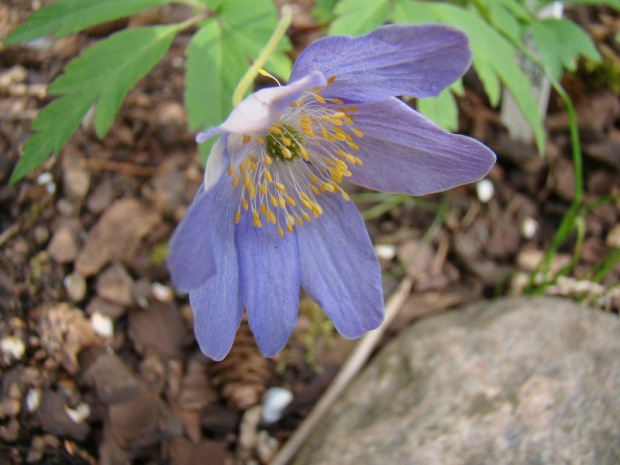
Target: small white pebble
{"type": "Point", "coordinates": [275, 401]}
{"type": "Point", "coordinates": [485, 190]}
{"type": "Point", "coordinates": [33, 399]}
{"type": "Point", "coordinates": [162, 292]}
{"type": "Point", "coordinates": [177, 62]}
{"type": "Point", "coordinates": [12, 348]}
{"type": "Point", "coordinates": [529, 227]}
{"type": "Point", "coordinates": [45, 178]}
{"type": "Point", "coordinates": [102, 324]}
{"type": "Point", "coordinates": [386, 251]}
{"type": "Point", "coordinates": [79, 413]}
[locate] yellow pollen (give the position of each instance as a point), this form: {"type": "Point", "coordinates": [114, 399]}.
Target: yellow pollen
{"type": "Point", "coordinates": [271, 217]}
{"type": "Point", "coordinates": [292, 104]}
{"type": "Point", "coordinates": [259, 140]}
{"type": "Point", "coordinates": [331, 79]}
{"type": "Point", "coordinates": [340, 164]}
{"type": "Point", "coordinates": [324, 133]}
{"type": "Point", "coordinates": [319, 98]}
{"type": "Point", "coordinates": [281, 203]}
{"type": "Point", "coordinates": [287, 153]}
{"type": "Point", "coordinates": [262, 188]}
{"type": "Point", "coordinates": [244, 203]}
{"type": "Point", "coordinates": [325, 117]}
{"type": "Point", "coordinates": [279, 186]}
{"type": "Point", "coordinates": [286, 141]}
{"type": "Point", "coordinates": [273, 200]}
{"type": "Point", "coordinates": [230, 169]}
{"type": "Point", "coordinates": [336, 100]}
{"type": "Point", "coordinates": [275, 129]}
{"type": "Point", "coordinates": [237, 216]}
{"type": "Point", "coordinates": [337, 122]}
{"type": "Point", "coordinates": [306, 203]}
{"type": "Point", "coordinates": [262, 208]}
{"type": "Point", "coordinates": [305, 215]}
{"type": "Point", "coordinates": [280, 233]}
{"type": "Point", "coordinates": [345, 195]}
{"type": "Point", "coordinates": [267, 176]}
{"type": "Point", "coordinates": [235, 181]}
{"type": "Point", "coordinates": [304, 152]}
{"type": "Point", "coordinates": [315, 190]}
{"type": "Point", "coordinates": [352, 109]}
{"type": "Point", "coordinates": [340, 136]}
{"type": "Point", "coordinates": [290, 201]}
{"type": "Point", "coordinates": [247, 182]}
{"type": "Point", "coordinates": [357, 132]}
{"type": "Point", "coordinates": [348, 120]}
{"type": "Point", "coordinates": [313, 178]}
{"type": "Point", "coordinates": [328, 186]}
{"type": "Point", "coordinates": [242, 168]}
{"type": "Point", "coordinates": [353, 146]}
{"type": "Point", "coordinates": [266, 159]}
{"type": "Point", "coordinates": [298, 220]}
{"type": "Point", "coordinates": [246, 139]}
{"type": "Point", "coordinates": [255, 216]}
{"type": "Point", "coordinates": [339, 114]}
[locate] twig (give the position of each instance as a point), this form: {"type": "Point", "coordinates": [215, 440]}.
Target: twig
{"type": "Point", "coordinates": [348, 371]}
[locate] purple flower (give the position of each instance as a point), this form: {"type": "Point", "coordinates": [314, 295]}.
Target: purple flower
{"type": "Point", "coordinates": [272, 215]}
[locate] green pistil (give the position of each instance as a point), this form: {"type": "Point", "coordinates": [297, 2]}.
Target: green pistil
{"type": "Point", "coordinates": [275, 146]}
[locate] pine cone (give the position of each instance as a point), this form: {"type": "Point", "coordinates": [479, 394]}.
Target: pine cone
{"type": "Point", "coordinates": [243, 375]}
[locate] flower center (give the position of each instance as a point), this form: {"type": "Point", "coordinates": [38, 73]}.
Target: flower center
{"type": "Point", "coordinates": [285, 144]}
{"type": "Point", "coordinates": [282, 174]}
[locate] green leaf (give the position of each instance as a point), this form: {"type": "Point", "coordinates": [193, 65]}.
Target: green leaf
{"type": "Point", "coordinates": [102, 74]}
{"type": "Point", "coordinates": [67, 16]}
{"type": "Point", "coordinates": [560, 42]}
{"type": "Point", "coordinates": [356, 17]}
{"type": "Point", "coordinates": [219, 54]}
{"type": "Point", "coordinates": [52, 128]}
{"type": "Point", "coordinates": [441, 109]}
{"type": "Point", "coordinates": [214, 66]}
{"type": "Point", "coordinates": [493, 59]}
{"type": "Point", "coordinates": [612, 3]}
{"type": "Point", "coordinates": [323, 10]}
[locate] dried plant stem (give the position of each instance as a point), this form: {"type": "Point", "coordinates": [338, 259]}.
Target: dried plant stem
{"type": "Point", "coordinates": [348, 371]}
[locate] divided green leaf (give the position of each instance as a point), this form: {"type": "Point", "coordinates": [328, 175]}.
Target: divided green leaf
{"type": "Point", "coordinates": [356, 17]}
{"type": "Point", "coordinates": [560, 42]}
{"type": "Point", "coordinates": [64, 17]}
{"type": "Point", "coordinates": [102, 75]}
{"type": "Point", "coordinates": [493, 57]}
{"type": "Point", "coordinates": [220, 53]}
{"type": "Point", "coordinates": [441, 109]}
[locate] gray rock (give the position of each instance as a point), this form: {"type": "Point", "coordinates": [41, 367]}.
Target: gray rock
{"type": "Point", "coordinates": [517, 381]}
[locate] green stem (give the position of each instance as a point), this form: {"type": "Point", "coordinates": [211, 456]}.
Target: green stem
{"type": "Point", "coordinates": [250, 75]}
